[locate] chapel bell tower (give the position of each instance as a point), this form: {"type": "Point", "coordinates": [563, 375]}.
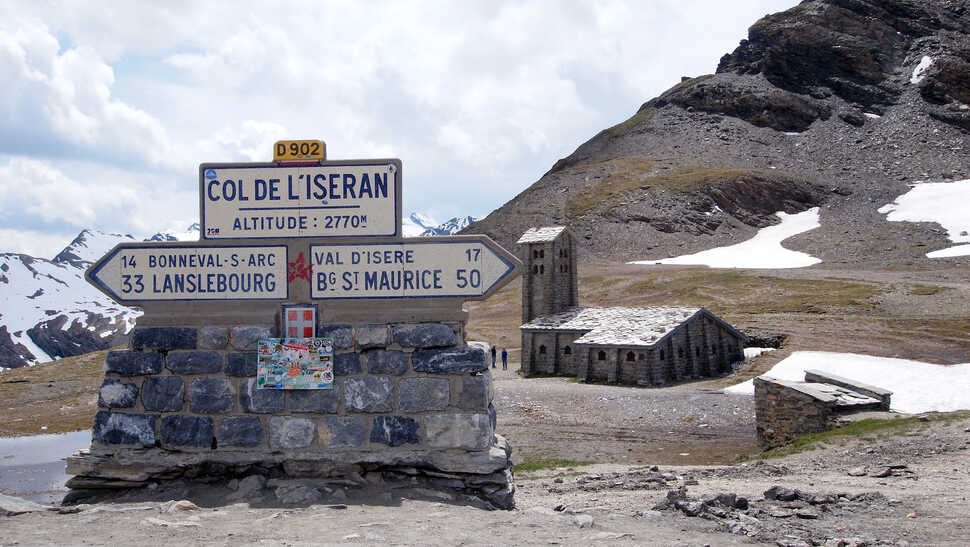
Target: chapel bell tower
{"type": "Point", "coordinates": [549, 283]}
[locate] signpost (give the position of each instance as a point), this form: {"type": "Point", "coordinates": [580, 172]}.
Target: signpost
{"type": "Point", "coordinates": [468, 267]}
{"type": "Point", "coordinates": [327, 199]}
{"type": "Point", "coordinates": [139, 272]}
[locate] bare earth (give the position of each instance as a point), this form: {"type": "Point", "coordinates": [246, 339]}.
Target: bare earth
{"type": "Point", "coordinates": [921, 500]}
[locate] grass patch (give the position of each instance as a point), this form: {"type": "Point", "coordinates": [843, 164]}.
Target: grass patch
{"type": "Point", "coordinates": [623, 128]}
{"type": "Point", "coordinates": [686, 83]}
{"type": "Point", "coordinates": [61, 395]}
{"type": "Point", "coordinates": [627, 175]}
{"type": "Point", "coordinates": [926, 290]}
{"type": "Point", "coordinates": [724, 291]}
{"type": "Point", "coordinates": [868, 430]}
{"type": "Point", "coordinates": [538, 464]}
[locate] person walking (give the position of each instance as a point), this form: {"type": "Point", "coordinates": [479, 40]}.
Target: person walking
{"type": "Point", "coordinates": [493, 356]}
{"type": "Point", "coordinates": [505, 359]}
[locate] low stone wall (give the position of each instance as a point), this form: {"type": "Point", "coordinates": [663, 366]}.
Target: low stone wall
{"type": "Point", "coordinates": [782, 413]}
{"type": "Point", "coordinates": [409, 396]}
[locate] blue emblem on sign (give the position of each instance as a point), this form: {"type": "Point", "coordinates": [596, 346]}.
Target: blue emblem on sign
{"type": "Point", "coordinates": [210, 174]}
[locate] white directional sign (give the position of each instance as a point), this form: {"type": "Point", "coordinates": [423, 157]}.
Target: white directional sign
{"type": "Point", "coordinates": [460, 267]}
{"type": "Point", "coordinates": [332, 199]}
{"type": "Point", "coordinates": [134, 272]}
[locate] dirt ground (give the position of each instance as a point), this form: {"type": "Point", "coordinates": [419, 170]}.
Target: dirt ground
{"type": "Point", "coordinates": [907, 489]}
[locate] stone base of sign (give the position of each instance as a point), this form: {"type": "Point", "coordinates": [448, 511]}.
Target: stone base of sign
{"type": "Point", "coordinates": [408, 398]}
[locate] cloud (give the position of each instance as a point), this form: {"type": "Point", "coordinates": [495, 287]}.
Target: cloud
{"type": "Point", "coordinates": [61, 103]}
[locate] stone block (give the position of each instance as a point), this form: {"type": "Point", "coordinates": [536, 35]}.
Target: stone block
{"type": "Point", "coordinates": [387, 362]}
{"type": "Point", "coordinates": [246, 338]}
{"type": "Point", "coordinates": [210, 395]}
{"type": "Point", "coordinates": [420, 394]}
{"type": "Point", "coordinates": [132, 363]}
{"type": "Point", "coordinates": [240, 431]}
{"type": "Point", "coordinates": [178, 430]}
{"type": "Point", "coordinates": [323, 401]}
{"type": "Point", "coordinates": [372, 336]}
{"type": "Point", "coordinates": [492, 416]}
{"type": "Point", "coordinates": [346, 363]}
{"type": "Point", "coordinates": [241, 364]}
{"type": "Point", "coordinates": [450, 361]}
{"type": "Point", "coordinates": [164, 338]}
{"type": "Point", "coordinates": [286, 432]}
{"type": "Point", "coordinates": [193, 362]}
{"type": "Point", "coordinates": [342, 335]}
{"type": "Point", "coordinates": [163, 393]}
{"type": "Point", "coordinates": [344, 431]}
{"type": "Point", "coordinates": [115, 394]}
{"type": "Point", "coordinates": [213, 337]}
{"type": "Point", "coordinates": [474, 393]}
{"type": "Point", "coordinates": [260, 401]}
{"type": "Point", "coordinates": [368, 394]}
{"type": "Point", "coordinates": [424, 335]}
{"type": "Point", "coordinates": [121, 428]}
{"type": "Point", "coordinates": [394, 430]}
{"type": "Point", "coordinates": [467, 431]}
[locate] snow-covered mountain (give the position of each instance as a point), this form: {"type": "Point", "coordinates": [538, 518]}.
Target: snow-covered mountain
{"type": "Point", "coordinates": [48, 310]}
{"type": "Point", "coordinates": [189, 234]}
{"type": "Point", "coordinates": [449, 227]}
{"type": "Point", "coordinates": [416, 224]}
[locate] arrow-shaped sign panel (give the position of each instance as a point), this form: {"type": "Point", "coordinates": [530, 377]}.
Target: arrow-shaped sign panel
{"type": "Point", "coordinates": [135, 272]}
{"type": "Point", "coordinates": [468, 267]}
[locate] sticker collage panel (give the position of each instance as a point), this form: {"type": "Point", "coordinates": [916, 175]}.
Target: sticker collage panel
{"type": "Point", "coordinates": [295, 363]}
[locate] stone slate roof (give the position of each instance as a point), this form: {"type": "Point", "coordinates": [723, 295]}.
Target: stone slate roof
{"type": "Point", "coordinates": [541, 235]}
{"type": "Point", "coordinates": [619, 326]}
{"type": "Point", "coordinates": [829, 393]}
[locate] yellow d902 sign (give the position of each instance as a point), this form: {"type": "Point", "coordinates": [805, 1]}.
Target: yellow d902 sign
{"type": "Point", "coordinates": [299, 150]}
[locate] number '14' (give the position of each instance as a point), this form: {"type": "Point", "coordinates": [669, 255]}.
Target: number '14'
{"type": "Point", "coordinates": [128, 261]}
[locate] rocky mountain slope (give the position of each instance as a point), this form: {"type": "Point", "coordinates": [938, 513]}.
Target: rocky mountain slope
{"type": "Point", "coordinates": [834, 103]}
{"type": "Point", "coordinates": [48, 310]}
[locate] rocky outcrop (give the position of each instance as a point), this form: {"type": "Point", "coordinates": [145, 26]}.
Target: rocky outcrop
{"type": "Point", "coordinates": [59, 340]}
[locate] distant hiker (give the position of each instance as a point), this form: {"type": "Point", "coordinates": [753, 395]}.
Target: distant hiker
{"type": "Point", "coordinates": [505, 359]}
{"type": "Point", "coordinates": [493, 356]}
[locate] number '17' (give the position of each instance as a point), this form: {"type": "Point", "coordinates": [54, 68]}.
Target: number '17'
{"type": "Point", "coordinates": [472, 254]}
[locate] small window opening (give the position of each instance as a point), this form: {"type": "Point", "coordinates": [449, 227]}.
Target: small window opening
{"type": "Point", "coordinates": [630, 356]}
{"type": "Point", "coordinates": [680, 351]}
{"type": "Point", "coordinates": [542, 350]}
{"type": "Point", "coordinates": [661, 355]}
{"type": "Point", "coordinates": [567, 350]}
{"type": "Point", "coordinates": [542, 268]}
{"type": "Point", "coordinates": [535, 269]}
{"type": "Point", "coordinates": [601, 356]}
{"type": "Point", "coordinates": [697, 351]}
{"type": "Point", "coordinates": [542, 253]}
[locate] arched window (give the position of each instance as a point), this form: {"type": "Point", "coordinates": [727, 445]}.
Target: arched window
{"type": "Point", "coordinates": [697, 351]}
{"type": "Point", "coordinates": [542, 253]}
{"type": "Point", "coordinates": [567, 350]}
{"type": "Point", "coordinates": [565, 253]}
{"type": "Point", "coordinates": [601, 355]}
{"type": "Point", "coordinates": [535, 269]}
{"type": "Point", "coordinates": [535, 253]}
{"type": "Point", "coordinates": [630, 356]}
{"type": "Point", "coordinates": [542, 350]}
{"type": "Point", "coordinates": [542, 268]}
{"type": "Point", "coordinates": [661, 355]}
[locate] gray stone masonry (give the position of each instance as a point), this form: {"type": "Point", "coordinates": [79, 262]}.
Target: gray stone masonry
{"type": "Point", "coordinates": [406, 394]}
{"type": "Point", "coordinates": [786, 409]}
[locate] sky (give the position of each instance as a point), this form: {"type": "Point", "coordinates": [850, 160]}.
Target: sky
{"type": "Point", "coordinates": [109, 107]}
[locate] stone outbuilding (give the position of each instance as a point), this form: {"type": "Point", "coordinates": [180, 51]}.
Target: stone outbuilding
{"type": "Point", "coordinates": [634, 346]}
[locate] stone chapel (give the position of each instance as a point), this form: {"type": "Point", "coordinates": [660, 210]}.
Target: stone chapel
{"type": "Point", "coordinates": [635, 346]}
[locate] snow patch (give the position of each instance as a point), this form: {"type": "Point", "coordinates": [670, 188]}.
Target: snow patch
{"type": "Point", "coordinates": [946, 203]}
{"type": "Point", "coordinates": [764, 250]}
{"type": "Point", "coordinates": [916, 386]}
{"type": "Point", "coordinates": [416, 223]}
{"type": "Point", "coordinates": [750, 353]}
{"type": "Point", "coordinates": [920, 71]}
{"type": "Point", "coordinates": [872, 115]}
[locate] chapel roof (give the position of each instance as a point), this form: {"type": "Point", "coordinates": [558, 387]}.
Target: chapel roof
{"type": "Point", "coordinates": [541, 235]}
{"type": "Point", "coordinates": [617, 326]}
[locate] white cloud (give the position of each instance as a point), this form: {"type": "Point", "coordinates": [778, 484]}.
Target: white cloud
{"type": "Point", "coordinates": [64, 99]}
{"type": "Point", "coordinates": [477, 99]}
